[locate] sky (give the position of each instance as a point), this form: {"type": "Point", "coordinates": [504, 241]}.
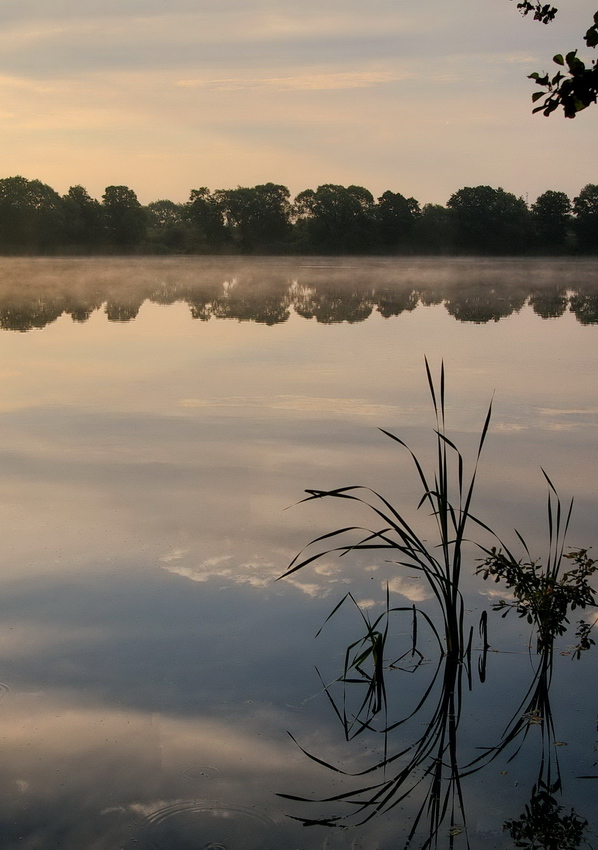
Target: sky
{"type": "Point", "coordinates": [169, 95]}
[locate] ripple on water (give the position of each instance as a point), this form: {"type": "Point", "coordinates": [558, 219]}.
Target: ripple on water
{"type": "Point", "coordinates": [198, 773]}
{"type": "Point", "coordinates": [4, 690]}
{"type": "Point", "coordinates": [209, 825]}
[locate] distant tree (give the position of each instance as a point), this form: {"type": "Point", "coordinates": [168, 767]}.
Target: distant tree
{"type": "Point", "coordinates": [585, 207]}
{"type": "Point", "coordinates": [83, 219]}
{"type": "Point", "coordinates": [577, 87]}
{"type": "Point", "coordinates": [207, 228]}
{"type": "Point", "coordinates": [434, 231]}
{"type": "Point", "coordinates": [126, 220]}
{"type": "Point", "coordinates": [490, 221]}
{"type": "Point", "coordinates": [551, 217]}
{"type": "Point", "coordinates": [335, 219]}
{"type": "Point", "coordinates": [31, 216]}
{"type": "Point", "coordinates": [395, 218]}
{"type": "Point", "coordinates": [260, 217]}
{"type": "Point", "coordinates": [167, 228]}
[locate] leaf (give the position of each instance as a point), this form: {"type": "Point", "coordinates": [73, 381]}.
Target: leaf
{"type": "Point", "coordinates": [537, 95]}
{"type": "Point", "coordinates": [558, 59]}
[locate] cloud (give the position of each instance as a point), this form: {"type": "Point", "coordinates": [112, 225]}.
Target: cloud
{"type": "Point", "coordinates": [300, 82]}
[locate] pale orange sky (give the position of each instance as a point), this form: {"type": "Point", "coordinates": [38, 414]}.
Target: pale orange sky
{"type": "Point", "coordinates": [167, 96]}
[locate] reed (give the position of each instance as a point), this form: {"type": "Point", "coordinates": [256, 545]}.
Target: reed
{"type": "Point", "coordinates": [447, 492]}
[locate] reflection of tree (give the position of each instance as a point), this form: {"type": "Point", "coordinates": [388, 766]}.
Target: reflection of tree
{"type": "Point", "coordinates": [549, 303]}
{"type": "Point", "coordinates": [32, 294]}
{"type": "Point", "coordinates": [122, 311]}
{"type": "Point", "coordinates": [545, 825]}
{"type": "Point", "coordinates": [249, 299]}
{"type": "Point", "coordinates": [482, 307]}
{"type": "Point", "coordinates": [29, 316]}
{"type": "Point", "coordinates": [584, 305]}
{"type": "Point", "coordinates": [393, 304]}
{"type": "Point", "coordinates": [335, 306]}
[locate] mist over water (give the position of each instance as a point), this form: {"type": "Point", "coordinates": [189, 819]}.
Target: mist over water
{"type": "Point", "coordinates": [150, 664]}
{"type": "Point", "coordinates": [35, 292]}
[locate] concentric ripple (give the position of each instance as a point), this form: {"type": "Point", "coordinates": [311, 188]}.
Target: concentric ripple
{"type": "Point", "coordinates": [196, 774]}
{"type": "Point", "coordinates": [209, 825]}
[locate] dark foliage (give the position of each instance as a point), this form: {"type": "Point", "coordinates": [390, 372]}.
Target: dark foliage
{"type": "Point", "coordinates": [576, 86]}
{"type": "Point", "coordinates": [329, 220]}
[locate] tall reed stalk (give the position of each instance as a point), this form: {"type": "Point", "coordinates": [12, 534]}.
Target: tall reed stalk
{"type": "Point", "coordinates": [447, 492]}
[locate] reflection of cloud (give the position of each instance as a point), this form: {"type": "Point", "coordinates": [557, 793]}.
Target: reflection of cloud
{"type": "Point", "coordinates": [509, 426]}
{"type": "Point", "coordinates": [255, 574]}
{"type": "Point", "coordinates": [175, 555]}
{"type": "Point", "coordinates": [368, 603]}
{"type": "Point", "coordinates": [297, 404]}
{"type": "Point", "coordinates": [252, 573]}
{"type": "Point", "coordinates": [497, 594]}
{"type": "Point", "coordinates": [564, 411]}
{"type": "Point", "coordinates": [299, 82]}
{"type": "Point", "coordinates": [412, 589]}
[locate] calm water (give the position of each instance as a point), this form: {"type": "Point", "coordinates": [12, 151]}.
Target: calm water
{"type": "Point", "coordinates": [157, 419]}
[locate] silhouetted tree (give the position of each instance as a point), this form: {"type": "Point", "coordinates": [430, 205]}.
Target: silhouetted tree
{"type": "Point", "coordinates": [395, 218]}
{"type": "Point", "coordinates": [126, 220]}
{"type": "Point", "coordinates": [585, 207]}
{"type": "Point", "coordinates": [167, 226]}
{"type": "Point", "coordinates": [31, 216]}
{"type": "Point", "coordinates": [490, 221]}
{"type": "Point", "coordinates": [335, 219]}
{"type": "Point", "coordinates": [551, 217]}
{"type": "Point", "coordinates": [208, 231]}
{"type": "Point", "coordinates": [434, 231]}
{"type": "Point", "coordinates": [259, 216]}
{"type": "Point", "coordinates": [83, 219]}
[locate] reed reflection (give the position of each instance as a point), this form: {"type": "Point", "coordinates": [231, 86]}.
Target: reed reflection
{"type": "Point", "coordinates": [424, 772]}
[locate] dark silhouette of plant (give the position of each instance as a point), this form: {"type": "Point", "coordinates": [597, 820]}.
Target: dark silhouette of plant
{"type": "Point", "coordinates": [545, 825]}
{"type": "Point", "coordinates": [450, 504]}
{"type": "Point", "coordinates": [577, 87]}
{"type": "Point", "coordinates": [544, 594]}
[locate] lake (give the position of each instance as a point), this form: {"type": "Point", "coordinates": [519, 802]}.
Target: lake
{"type": "Point", "coordinates": [160, 419]}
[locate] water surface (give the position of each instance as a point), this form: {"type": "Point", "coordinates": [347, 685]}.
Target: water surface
{"type": "Point", "coordinates": [157, 417]}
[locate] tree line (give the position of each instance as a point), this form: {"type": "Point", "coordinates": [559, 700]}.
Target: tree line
{"type": "Point", "coordinates": [263, 219]}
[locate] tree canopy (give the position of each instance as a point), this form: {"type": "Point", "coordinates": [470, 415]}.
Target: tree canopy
{"type": "Point", "coordinates": [264, 219]}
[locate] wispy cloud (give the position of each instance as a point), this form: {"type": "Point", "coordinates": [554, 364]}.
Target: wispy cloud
{"type": "Point", "coordinates": [329, 406]}
{"type": "Point", "coordinates": [300, 82]}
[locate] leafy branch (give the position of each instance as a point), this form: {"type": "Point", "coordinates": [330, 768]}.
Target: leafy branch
{"type": "Point", "coordinates": [543, 596]}
{"type": "Point", "coordinates": [577, 87]}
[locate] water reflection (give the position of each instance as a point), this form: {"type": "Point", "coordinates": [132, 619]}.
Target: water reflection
{"type": "Point", "coordinates": [424, 780]}
{"type": "Point", "coordinates": [151, 665]}
{"type": "Point", "coordinates": [35, 293]}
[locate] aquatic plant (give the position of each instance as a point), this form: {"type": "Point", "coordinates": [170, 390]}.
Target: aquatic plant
{"type": "Point", "coordinates": [447, 493]}
{"type": "Point", "coordinates": [543, 593]}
